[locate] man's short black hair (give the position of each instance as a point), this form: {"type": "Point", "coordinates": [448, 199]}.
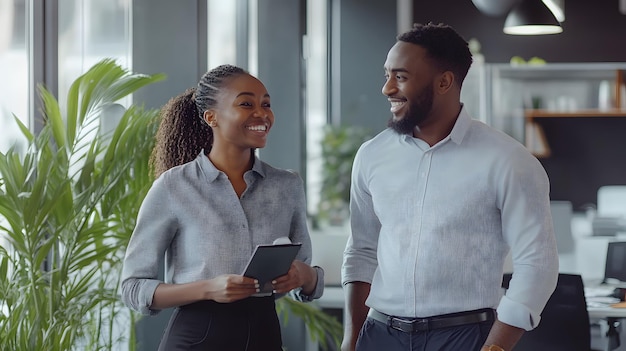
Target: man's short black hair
{"type": "Point", "coordinates": [444, 45]}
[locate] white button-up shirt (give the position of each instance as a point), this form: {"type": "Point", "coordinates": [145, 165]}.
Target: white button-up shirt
{"type": "Point", "coordinates": [432, 226]}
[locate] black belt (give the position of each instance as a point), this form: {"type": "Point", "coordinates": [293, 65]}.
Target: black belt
{"type": "Point", "coordinates": [412, 325]}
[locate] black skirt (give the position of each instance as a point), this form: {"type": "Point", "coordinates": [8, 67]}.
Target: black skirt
{"type": "Point", "coordinates": [246, 325]}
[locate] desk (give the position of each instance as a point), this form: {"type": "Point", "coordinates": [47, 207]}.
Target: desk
{"type": "Point", "coordinates": [588, 259]}
{"type": "Point", "coordinates": [606, 312]}
{"type": "Point", "coordinates": [612, 317]}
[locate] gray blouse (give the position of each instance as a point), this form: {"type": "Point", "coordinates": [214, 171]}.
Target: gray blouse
{"type": "Point", "coordinates": [193, 218]}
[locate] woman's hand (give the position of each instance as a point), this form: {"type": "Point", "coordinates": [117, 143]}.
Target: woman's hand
{"type": "Point", "coordinates": [230, 288]}
{"type": "Point", "coordinates": [224, 288]}
{"type": "Point", "coordinates": [300, 275]}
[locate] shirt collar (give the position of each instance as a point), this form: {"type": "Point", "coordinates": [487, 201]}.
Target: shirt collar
{"type": "Point", "coordinates": [461, 126]}
{"type": "Point", "coordinates": [212, 172]}
{"type": "Point", "coordinates": [458, 132]}
{"type": "Point", "coordinates": [258, 167]}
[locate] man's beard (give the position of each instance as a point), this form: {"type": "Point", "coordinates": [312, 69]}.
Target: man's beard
{"type": "Point", "coordinates": [416, 113]}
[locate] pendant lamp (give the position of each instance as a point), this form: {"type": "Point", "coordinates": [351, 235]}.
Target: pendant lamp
{"type": "Point", "coordinates": [531, 17]}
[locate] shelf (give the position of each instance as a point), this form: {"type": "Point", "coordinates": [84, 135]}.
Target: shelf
{"type": "Point", "coordinates": [535, 139]}
{"type": "Point", "coordinates": [559, 71]}
{"type": "Point", "coordinates": [578, 142]}
{"type": "Point", "coordinates": [531, 114]}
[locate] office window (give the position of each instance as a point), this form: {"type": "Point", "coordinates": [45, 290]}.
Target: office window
{"type": "Point", "coordinates": [14, 72]}
{"type": "Point", "coordinates": [222, 32]}
{"type": "Point", "coordinates": [89, 31]}
{"type": "Point", "coordinates": [316, 55]}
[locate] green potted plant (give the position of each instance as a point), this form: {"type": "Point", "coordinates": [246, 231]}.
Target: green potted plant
{"type": "Point", "coordinates": [66, 207]}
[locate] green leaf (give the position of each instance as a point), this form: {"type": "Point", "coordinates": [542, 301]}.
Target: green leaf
{"type": "Point", "coordinates": [52, 113]}
{"type": "Point", "coordinates": [23, 128]}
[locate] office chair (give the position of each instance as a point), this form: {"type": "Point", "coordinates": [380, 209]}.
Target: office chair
{"type": "Point", "coordinates": [615, 274]}
{"type": "Point", "coordinates": [615, 266]}
{"type": "Point", "coordinates": [564, 324]}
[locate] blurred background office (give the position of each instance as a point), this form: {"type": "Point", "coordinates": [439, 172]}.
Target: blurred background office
{"type": "Point", "coordinates": [322, 62]}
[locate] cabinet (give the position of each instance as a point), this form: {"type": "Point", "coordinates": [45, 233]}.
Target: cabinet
{"type": "Point", "coordinates": [560, 114]}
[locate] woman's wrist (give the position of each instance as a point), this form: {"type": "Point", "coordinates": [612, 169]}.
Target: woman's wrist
{"type": "Point", "coordinates": [311, 282]}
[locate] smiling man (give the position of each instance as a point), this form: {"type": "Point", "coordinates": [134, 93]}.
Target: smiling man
{"type": "Point", "coordinates": [437, 202]}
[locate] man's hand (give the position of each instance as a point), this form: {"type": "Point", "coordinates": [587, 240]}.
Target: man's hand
{"type": "Point", "coordinates": [502, 336]}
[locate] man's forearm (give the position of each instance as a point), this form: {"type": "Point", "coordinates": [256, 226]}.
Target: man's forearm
{"type": "Point", "coordinates": [355, 312]}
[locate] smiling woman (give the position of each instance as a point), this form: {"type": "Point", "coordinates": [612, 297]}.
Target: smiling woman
{"type": "Point", "coordinates": [212, 203]}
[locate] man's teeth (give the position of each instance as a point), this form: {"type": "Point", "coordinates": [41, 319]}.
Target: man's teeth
{"type": "Point", "coordinates": [396, 103]}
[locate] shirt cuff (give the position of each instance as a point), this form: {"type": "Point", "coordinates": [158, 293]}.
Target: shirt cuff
{"type": "Point", "coordinates": [516, 314]}
{"type": "Point", "coordinates": [317, 293]}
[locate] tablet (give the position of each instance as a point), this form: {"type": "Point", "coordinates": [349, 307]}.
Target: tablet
{"type": "Point", "coordinates": [269, 262]}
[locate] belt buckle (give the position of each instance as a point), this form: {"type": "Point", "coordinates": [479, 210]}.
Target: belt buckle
{"type": "Point", "coordinates": [408, 325]}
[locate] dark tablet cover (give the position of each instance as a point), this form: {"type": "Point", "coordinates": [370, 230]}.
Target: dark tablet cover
{"type": "Point", "coordinates": [269, 262]}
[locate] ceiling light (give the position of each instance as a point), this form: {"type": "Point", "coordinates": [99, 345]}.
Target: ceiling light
{"type": "Point", "coordinates": [531, 17]}
{"type": "Point", "coordinates": [556, 7]}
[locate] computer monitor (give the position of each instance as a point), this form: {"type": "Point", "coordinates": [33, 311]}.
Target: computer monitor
{"type": "Point", "coordinates": [615, 269]}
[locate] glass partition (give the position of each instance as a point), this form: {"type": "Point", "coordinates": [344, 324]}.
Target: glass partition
{"type": "Point", "coordinates": [14, 72]}
{"type": "Point", "coordinates": [222, 32]}
{"type": "Point", "coordinates": [89, 31]}
{"type": "Point", "coordinates": [316, 55]}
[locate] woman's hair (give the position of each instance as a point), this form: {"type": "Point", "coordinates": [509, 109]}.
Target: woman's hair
{"type": "Point", "coordinates": [182, 132]}
{"type": "Point", "coordinates": [449, 51]}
